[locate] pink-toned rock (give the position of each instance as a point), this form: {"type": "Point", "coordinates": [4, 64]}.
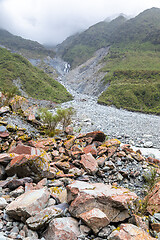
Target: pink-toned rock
{"type": "Point", "coordinates": [4, 134]}
{"type": "Point", "coordinates": [95, 219]}
{"type": "Point", "coordinates": [89, 163]}
{"type": "Point", "coordinates": [69, 143]}
{"type": "Point", "coordinates": [28, 204]}
{"type": "Point", "coordinates": [41, 219]}
{"type": "Point", "coordinates": [114, 202]}
{"type": "Point", "coordinates": [153, 199]}
{"type": "Point", "coordinates": [153, 160]}
{"type": "Point", "coordinates": [15, 183]}
{"type": "Point", "coordinates": [129, 232]}
{"type": "Point", "coordinates": [19, 102]}
{"type": "Point", "coordinates": [62, 229]}
{"type": "Point", "coordinates": [139, 222]}
{"type": "Point", "coordinates": [101, 150]}
{"type": "Point", "coordinates": [156, 227]}
{"type": "Point", "coordinates": [5, 158]}
{"type": "Point", "coordinates": [33, 166]}
{"type": "Point", "coordinates": [90, 149]}
{"type": "Point", "coordinates": [111, 151]}
{"type": "Point", "coordinates": [24, 149]}
{"type": "Point", "coordinates": [45, 143]}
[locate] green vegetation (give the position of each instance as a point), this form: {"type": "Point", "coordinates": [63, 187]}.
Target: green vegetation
{"type": "Point", "coordinates": [35, 82]}
{"type": "Point", "coordinates": [143, 28]}
{"type": "Point", "coordinates": [28, 48]}
{"type": "Point", "coordinates": [80, 47]}
{"type": "Point", "coordinates": [62, 116]}
{"type": "Point", "coordinates": [151, 177]}
{"type": "Point", "coordinates": [133, 75]}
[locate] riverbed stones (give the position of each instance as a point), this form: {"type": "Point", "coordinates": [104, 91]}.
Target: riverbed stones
{"type": "Point", "coordinates": [28, 204]}
{"type": "Point", "coordinates": [62, 228]}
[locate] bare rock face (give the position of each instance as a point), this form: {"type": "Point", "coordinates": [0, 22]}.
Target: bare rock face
{"type": "Point", "coordinates": [28, 204]}
{"type": "Point", "coordinates": [129, 232]}
{"type": "Point", "coordinates": [113, 202]}
{"type": "Point", "coordinates": [62, 228]}
{"type": "Point", "coordinates": [153, 205]}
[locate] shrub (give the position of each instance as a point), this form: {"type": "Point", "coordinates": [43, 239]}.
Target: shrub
{"type": "Point", "coordinates": [65, 116]}
{"type": "Point", "coordinates": [62, 116]}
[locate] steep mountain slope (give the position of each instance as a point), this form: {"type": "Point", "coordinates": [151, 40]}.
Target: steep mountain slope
{"type": "Point", "coordinates": [26, 47]}
{"type": "Point", "coordinates": [79, 48]}
{"type": "Point", "coordinates": [33, 81]}
{"type": "Point", "coordinates": [143, 28]}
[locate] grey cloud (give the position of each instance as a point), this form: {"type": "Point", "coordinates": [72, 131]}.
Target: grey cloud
{"type": "Point", "coordinates": [51, 21]}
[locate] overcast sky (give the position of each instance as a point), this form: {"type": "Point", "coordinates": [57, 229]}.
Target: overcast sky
{"type": "Point", "coordinates": [51, 21]}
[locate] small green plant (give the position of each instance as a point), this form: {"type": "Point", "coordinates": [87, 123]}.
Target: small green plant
{"type": "Point", "coordinates": [65, 116]}
{"type": "Point", "coordinates": [62, 116]}
{"type": "Point", "coordinates": [9, 93]}
{"type": "Point", "coordinates": [151, 178]}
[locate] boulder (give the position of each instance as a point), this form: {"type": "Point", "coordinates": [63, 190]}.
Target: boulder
{"type": "Point", "coordinates": [41, 219]}
{"type": "Point", "coordinates": [153, 199]}
{"type": "Point", "coordinates": [89, 163]}
{"type": "Point", "coordinates": [129, 232]}
{"type": "Point", "coordinates": [113, 202]}
{"type": "Point", "coordinates": [28, 204]}
{"type": "Point", "coordinates": [90, 149]}
{"type": "Point", "coordinates": [62, 229]}
{"type": "Point", "coordinates": [5, 158]}
{"type": "Point", "coordinates": [36, 167]}
{"type": "Point", "coordinates": [95, 219]}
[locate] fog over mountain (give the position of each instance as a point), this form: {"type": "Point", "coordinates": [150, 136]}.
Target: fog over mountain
{"type": "Point", "coordinates": [51, 21]}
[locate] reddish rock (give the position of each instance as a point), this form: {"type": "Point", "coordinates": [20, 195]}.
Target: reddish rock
{"type": "Point", "coordinates": [4, 134]}
{"type": "Point", "coordinates": [45, 143]}
{"type": "Point", "coordinates": [89, 163]}
{"type": "Point", "coordinates": [153, 199]}
{"type": "Point", "coordinates": [28, 204]}
{"type": "Point", "coordinates": [24, 149]}
{"type": "Point", "coordinates": [102, 150]}
{"type": "Point", "coordinates": [33, 166]}
{"type": "Point", "coordinates": [129, 232]}
{"type": "Point", "coordinates": [62, 229]}
{"type": "Point", "coordinates": [69, 143]}
{"type": "Point", "coordinates": [139, 222]}
{"type": "Point", "coordinates": [5, 158]}
{"type": "Point", "coordinates": [95, 219]}
{"type": "Point", "coordinates": [90, 149]}
{"type": "Point", "coordinates": [153, 160]}
{"type": "Point", "coordinates": [114, 202]}
{"type": "Point", "coordinates": [111, 151]}
{"type": "Point", "coordinates": [156, 227]}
